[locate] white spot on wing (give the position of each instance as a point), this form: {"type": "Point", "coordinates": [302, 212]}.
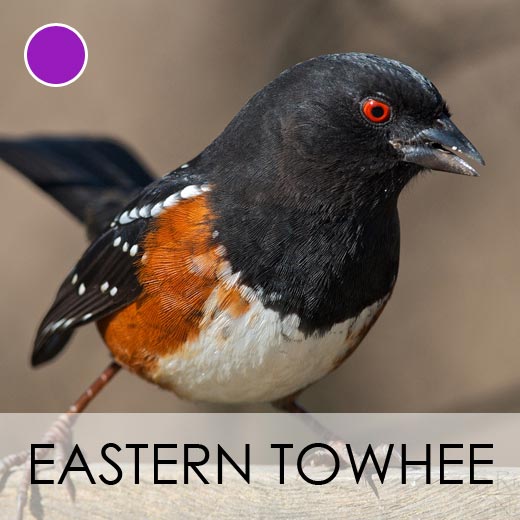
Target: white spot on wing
{"type": "Point", "coordinates": [104, 287]}
{"type": "Point", "coordinates": [156, 209]}
{"type": "Point", "coordinates": [113, 291]}
{"type": "Point", "coordinates": [117, 241]}
{"type": "Point", "coordinates": [125, 247]}
{"type": "Point", "coordinates": [190, 191]}
{"type": "Point", "coordinates": [171, 200]}
{"type": "Point", "coordinates": [134, 249]}
{"type": "Point", "coordinates": [74, 279]}
{"type": "Point", "coordinates": [125, 218]}
{"type": "Point", "coordinates": [148, 210]}
{"type": "Point", "coordinates": [81, 289]}
{"type": "Point", "coordinates": [87, 316]}
{"type": "Point", "coordinates": [144, 212]}
{"type": "Point", "coordinates": [185, 165]}
{"type": "Point", "coordinates": [56, 324]}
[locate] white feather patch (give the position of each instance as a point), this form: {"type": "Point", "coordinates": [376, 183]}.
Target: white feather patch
{"type": "Point", "coordinates": [258, 356]}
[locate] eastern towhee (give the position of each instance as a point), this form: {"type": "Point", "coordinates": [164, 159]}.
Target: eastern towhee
{"type": "Point", "coordinates": [256, 268]}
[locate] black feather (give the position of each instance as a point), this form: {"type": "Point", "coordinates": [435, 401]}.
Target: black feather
{"type": "Point", "coordinates": [91, 177]}
{"type": "Point", "coordinates": [104, 262]}
{"type": "Point", "coordinates": [51, 347]}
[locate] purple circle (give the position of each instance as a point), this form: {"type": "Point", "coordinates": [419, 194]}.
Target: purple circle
{"type": "Point", "coordinates": [55, 54]}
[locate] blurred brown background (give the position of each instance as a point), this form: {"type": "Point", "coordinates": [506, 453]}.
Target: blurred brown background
{"type": "Point", "coordinates": [167, 75]}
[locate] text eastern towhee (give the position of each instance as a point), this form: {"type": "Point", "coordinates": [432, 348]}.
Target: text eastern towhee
{"type": "Point", "coordinates": [255, 269]}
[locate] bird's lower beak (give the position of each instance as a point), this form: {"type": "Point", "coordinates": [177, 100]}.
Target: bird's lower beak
{"type": "Point", "coordinates": [437, 148]}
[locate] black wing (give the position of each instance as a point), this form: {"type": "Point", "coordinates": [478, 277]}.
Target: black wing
{"type": "Point", "coordinates": [105, 278]}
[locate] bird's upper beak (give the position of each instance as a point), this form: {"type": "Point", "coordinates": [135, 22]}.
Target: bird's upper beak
{"type": "Point", "coordinates": [436, 147]}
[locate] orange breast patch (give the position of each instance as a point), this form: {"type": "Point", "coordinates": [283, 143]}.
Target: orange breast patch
{"type": "Point", "coordinates": [178, 272]}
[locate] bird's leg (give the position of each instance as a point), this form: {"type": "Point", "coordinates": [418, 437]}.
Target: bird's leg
{"type": "Point", "coordinates": [59, 434]}
{"type": "Point", "coordinates": [318, 457]}
{"type": "Point", "coordinates": [324, 457]}
{"type": "Point", "coordinates": [291, 406]}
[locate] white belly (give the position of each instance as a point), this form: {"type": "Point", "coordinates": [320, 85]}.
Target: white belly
{"type": "Point", "coordinates": [258, 357]}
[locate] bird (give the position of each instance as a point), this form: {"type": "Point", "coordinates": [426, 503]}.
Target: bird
{"type": "Point", "coordinates": [255, 269]}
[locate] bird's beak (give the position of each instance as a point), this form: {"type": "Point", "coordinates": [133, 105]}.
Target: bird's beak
{"type": "Point", "coordinates": [437, 147]}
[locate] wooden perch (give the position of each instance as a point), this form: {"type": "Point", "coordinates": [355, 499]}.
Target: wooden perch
{"type": "Point", "coordinates": [266, 498]}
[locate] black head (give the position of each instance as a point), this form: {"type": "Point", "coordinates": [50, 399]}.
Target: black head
{"type": "Point", "coordinates": [310, 171]}
{"type": "Point", "coordinates": [347, 123]}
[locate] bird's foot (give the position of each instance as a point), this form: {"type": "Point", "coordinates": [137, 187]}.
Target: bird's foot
{"type": "Point", "coordinates": [60, 435]}
{"type": "Point", "coordinates": [362, 464]}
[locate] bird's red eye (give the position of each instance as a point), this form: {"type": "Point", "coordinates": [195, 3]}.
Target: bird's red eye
{"type": "Point", "coordinates": [376, 111]}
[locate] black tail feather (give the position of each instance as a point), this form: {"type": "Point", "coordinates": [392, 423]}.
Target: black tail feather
{"type": "Point", "coordinates": [91, 177]}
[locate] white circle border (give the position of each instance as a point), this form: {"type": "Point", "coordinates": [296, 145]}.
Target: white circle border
{"type": "Point", "coordinates": [77, 76]}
